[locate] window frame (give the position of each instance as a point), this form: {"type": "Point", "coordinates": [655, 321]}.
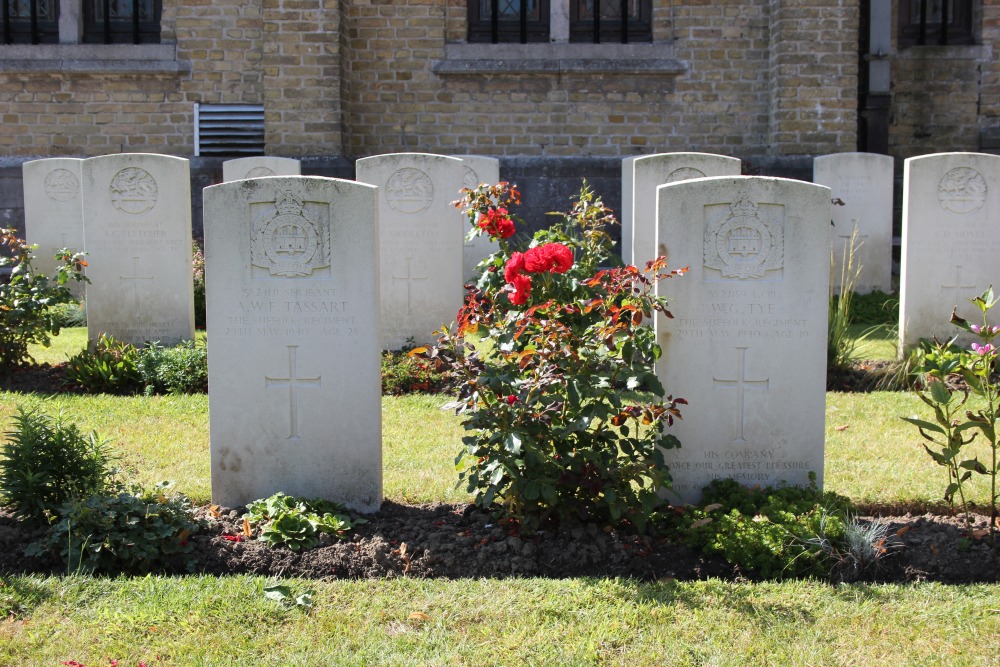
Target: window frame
{"type": "Point", "coordinates": [960, 30]}
{"type": "Point", "coordinates": [28, 30]}
{"type": "Point", "coordinates": [508, 31]}
{"type": "Point", "coordinates": [121, 31]}
{"type": "Point", "coordinates": [609, 31]}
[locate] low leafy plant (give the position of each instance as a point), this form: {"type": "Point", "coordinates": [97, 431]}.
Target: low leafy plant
{"type": "Point", "coordinates": [28, 297]}
{"type": "Point", "coordinates": [282, 520]}
{"type": "Point", "coordinates": [549, 437]}
{"type": "Point", "coordinates": [949, 434]}
{"type": "Point", "coordinates": [109, 366]}
{"type": "Point", "coordinates": [773, 532]}
{"type": "Point", "coordinates": [72, 314]}
{"type": "Point", "coordinates": [403, 373]}
{"type": "Point", "coordinates": [47, 462]}
{"type": "Point", "coordinates": [180, 369]}
{"type": "Point", "coordinates": [132, 532]}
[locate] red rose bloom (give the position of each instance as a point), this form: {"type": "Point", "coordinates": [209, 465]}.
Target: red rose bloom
{"type": "Point", "coordinates": [551, 257]}
{"type": "Point", "coordinates": [497, 223]}
{"type": "Point", "coordinates": [522, 289]}
{"type": "Point", "coordinates": [514, 267]}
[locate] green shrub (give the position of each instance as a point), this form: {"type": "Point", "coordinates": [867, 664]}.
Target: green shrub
{"type": "Point", "coordinates": [773, 532]}
{"type": "Point", "coordinates": [549, 437]}
{"type": "Point", "coordinates": [181, 369]}
{"type": "Point", "coordinates": [108, 366]}
{"type": "Point", "coordinates": [114, 367]}
{"type": "Point", "coordinates": [73, 314]}
{"type": "Point", "coordinates": [47, 462]}
{"type": "Point", "coordinates": [296, 522]}
{"type": "Point", "coordinates": [27, 299]}
{"type": "Point", "coordinates": [131, 532]}
{"type": "Point", "coordinates": [402, 373]}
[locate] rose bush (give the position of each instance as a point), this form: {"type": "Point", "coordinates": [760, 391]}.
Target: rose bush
{"type": "Point", "coordinates": [544, 355]}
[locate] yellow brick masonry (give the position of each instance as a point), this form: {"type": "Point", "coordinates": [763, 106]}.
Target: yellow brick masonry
{"type": "Point", "coordinates": [355, 77]}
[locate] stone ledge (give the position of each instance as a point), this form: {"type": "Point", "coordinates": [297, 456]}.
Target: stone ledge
{"type": "Point", "coordinates": [91, 59]}
{"type": "Point", "coordinates": [646, 58]}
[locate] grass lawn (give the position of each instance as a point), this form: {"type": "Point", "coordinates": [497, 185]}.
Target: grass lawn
{"type": "Point", "coordinates": [872, 456]}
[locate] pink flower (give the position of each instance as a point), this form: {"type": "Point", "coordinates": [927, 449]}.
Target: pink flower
{"type": "Point", "coordinates": [982, 350]}
{"type": "Point", "coordinates": [551, 257]}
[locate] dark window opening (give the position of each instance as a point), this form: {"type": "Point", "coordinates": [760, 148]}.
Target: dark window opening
{"type": "Point", "coordinates": [498, 21]}
{"type": "Point", "coordinates": [29, 21]}
{"type": "Point", "coordinates": [921, 21]}
{"type": "Point", "coordinates": [610, 21]}
{"type": "Point", "coordinates": [121, 21]}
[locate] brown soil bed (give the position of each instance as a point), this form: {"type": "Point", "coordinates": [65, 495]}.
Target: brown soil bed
{"type": "Point", "coordinates": [461, 541]}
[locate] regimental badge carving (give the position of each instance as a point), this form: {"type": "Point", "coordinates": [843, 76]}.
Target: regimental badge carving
{"type": "Point", "coordinates": [133, 190]}
{"type": "Point", "coordinates": [470, 179]}
{"type": "Point", "coordinates": [290, 242]}
{"type": "Point", "coordinates": [409, 190]}
{"type": "Point", "coordinates": [62, 185]}
{"type": "Point", "coordinates": [962, 190]}
{"type": "Point", "coordinates": [744, 244]}
{"type": "Point", "coordinates": [259, 172]}
{"type": "Point", "coordinates": [684, 174]}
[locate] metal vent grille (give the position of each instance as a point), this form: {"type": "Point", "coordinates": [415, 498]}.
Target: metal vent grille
{"type": "Point", "coordinates": [229, 129]}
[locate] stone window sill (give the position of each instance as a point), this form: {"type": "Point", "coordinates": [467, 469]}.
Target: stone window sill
{"type": "Point", "coordinates": [91, 59]}
{"type": "Point", "coordinates": [635, 59]}
{"type": "Point", "coordinates": [979, 52]}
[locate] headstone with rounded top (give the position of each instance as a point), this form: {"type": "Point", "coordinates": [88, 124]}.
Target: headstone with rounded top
{"type": "Point", "coordinates": [259, 166]}
{"type": "Point", "coordinates": [421, 238]}
{"type": "Point", "coordinates": [53, 217]}
{"type": "Point", "coordinates": [292, 313]}
{"type": "Point", "coordinates": [747, 344]}
{"type": "Point", "coordinates": [640, 177]}
{"type": "Point", "coordinates": [861, 184]}
{"type": "Point", "coordinates": [137, 231]}
{"type": "Point", "coordinates": [950, 244]}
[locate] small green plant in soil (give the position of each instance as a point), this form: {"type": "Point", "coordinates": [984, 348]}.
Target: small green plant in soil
{"type": "Point", "coordinates": [132, 532]}
{"type": "Point", "coordinates": [109, 366]}
{"type": "Point", "coordinates": [179, 369]}
{"type": "Point", "coordinates": [282, 520]}
{"type": "Point", "coordinates": [949, 434]}
{"type": "Point", "coordinates": [47, 462]}
{"type": "Point", "coordinates": [28, 297]}
{"type": "Point", "coordinates": [779, 532]}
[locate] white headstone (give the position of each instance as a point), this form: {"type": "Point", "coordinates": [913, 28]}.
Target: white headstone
{"type": "Point", "coordinates": [259, 166]}
{"type": "Point", "coordinates": [641, 176]}
{"type": "Point", "coordinates": [292, 312]}
{"type": "Point", "coordinates": [747, 347]}
{"type": "Point", "coordinates": [137, 231]}
{"type": "Point", "coordinates": [863, 182]}
{"type": "Point", "coordinates": [477, 169]}
{"type": "Point", "coordinates": [951, 227]}
{"type": "Point", "coordinates": [53, 218]}
{"type": "Point", "coordinates": [421, 243]}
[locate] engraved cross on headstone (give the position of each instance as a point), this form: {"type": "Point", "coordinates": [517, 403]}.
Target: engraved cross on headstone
{"type": "Point", "coordinates": [958, 282]}
{"type": "Point", "coordinates": [135, 285]}
{"type": "Point", "coordinates": [741, 384]}
{"type": "Point", "coordinates": [858, 238]}
{"type": "Point", "coordinates": [293, 382]}
{"type": "Point", "coordinates": [409, 278]}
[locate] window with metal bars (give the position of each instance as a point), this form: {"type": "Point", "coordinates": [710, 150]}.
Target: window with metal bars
{"type": "Point", "coordinates": [29, 21]}
{"type": "Point", "coordinates": [935, 22]}
{"type": "Point", "coordinates": [524, 21]}
{"type": "Point", "coordinates": [610, 21]}
{"type": "Point", "coordinates": [499, 21]}
{"type": "Point", "coordinates": [121, 21]}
